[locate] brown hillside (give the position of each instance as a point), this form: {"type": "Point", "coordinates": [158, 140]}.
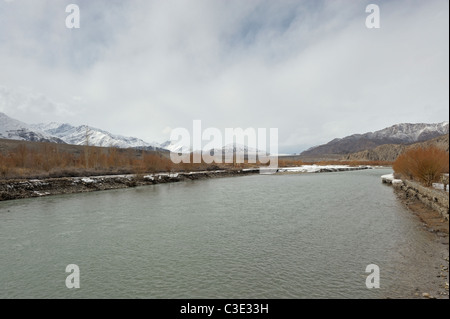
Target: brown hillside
{"type": "Point", "coordinates": [390, 152]}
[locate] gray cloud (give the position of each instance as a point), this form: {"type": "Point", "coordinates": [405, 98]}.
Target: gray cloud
{"type": "Point", "coordinates": [310, 68]}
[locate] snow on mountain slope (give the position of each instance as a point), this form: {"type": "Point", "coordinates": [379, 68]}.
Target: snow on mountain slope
{"type": "Point", "coordinates": [411, 133]}
{"type": "Point", "coordinates": [405, 133]}
{"type": "Point", "coordinates": [95, 137]}
{"type": "Point", "coordinates": [176, 147]}
{"type": "Point", "coordinates": [236, 148]}
{"type": "Point", "coordinates": [66, 133]}
{"type": "Point", "coordinates": [53, 127]}
{"type": "Point", "coordinates": [16, 130]}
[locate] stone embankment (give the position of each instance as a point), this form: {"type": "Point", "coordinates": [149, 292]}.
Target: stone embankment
{"type": "Point", "coordinates": [431, 206]}
{"type": "Point", "coordinates": [438, 200]}
{"type": "Point", "coordinates": [435, 199]}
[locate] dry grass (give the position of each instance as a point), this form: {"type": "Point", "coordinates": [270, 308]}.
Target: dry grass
{"type": "Point", "coordinates": [19, 159]}
{"type": "Point", "coordinates": [43, 160]}
{"type": "Point", "coordinates": [51, 160]}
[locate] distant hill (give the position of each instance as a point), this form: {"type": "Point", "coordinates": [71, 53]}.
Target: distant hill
{"type": "Point", "coordinates": [390, 152]}
{"type": "Point", "coordinates": [403, 134]}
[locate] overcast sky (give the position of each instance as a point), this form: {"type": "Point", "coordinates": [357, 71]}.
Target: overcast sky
{"type": "Point", "coordinates": [309, 68]}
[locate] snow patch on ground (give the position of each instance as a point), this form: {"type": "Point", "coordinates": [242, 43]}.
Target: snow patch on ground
{"type": "Point", "coordinates": [315, 168]}
{"type": "Point", "coordinates": [41, 193]}
{"type": "Point", "coordinates": [390, 179]}
{"type": "Point", "coordinates": [440, 186]}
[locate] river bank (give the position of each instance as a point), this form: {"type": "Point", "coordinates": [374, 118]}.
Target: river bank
{"type": "Point", "coordinates": [430, 207]}
{"type": "Point", "coordinates": [432, 221]}
{"type": "Point", "coordinates": [27, 188]}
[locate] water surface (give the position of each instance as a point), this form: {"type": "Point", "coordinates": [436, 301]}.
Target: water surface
{"type": "Point", "coordinates": [278, 236]}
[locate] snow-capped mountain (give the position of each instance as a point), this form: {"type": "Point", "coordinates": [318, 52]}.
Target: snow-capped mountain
{"type": "Point", "coordinates": [67, 133]}
{"type": "Point", "coordinates": [178, 147]}
{"type": "Point", "coordinates": [405, 133]}
{"type": "Point", "coordinates": [411, 133]}
{"type": "Point", "coordinates": [79, 135]}
{"type": "Point", "coordinates": [237, 149]}
{"type": "Point", "coordinates": [175, 147]}
{"type": "Point", "coordinates": [16, 130]}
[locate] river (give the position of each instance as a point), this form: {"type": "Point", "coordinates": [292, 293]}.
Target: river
{"type": "Point", "coordinates": [259, 236]}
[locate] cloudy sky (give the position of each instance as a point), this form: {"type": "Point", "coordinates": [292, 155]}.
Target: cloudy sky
{"type": "Point", "coordinates": [309, 68]}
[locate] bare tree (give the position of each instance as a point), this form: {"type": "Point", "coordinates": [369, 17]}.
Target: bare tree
{"type": "Point", "coordinates": [86, 149]}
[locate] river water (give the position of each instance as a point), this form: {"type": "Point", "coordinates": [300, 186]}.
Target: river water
{"type": "Point", "coordinates": [277, 236]}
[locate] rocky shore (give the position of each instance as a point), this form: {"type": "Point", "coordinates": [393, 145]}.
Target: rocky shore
{"type": "Point", "coordinates": [26, 188]}
{"type": "Point", "coordinates": [433, 222]}
{"type": "Point", "coordinates": [430, 206]}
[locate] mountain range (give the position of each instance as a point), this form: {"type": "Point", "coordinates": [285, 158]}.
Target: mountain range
{"type": "Point", "coordinates": [380, 141]}
{"type": "Point", "coordinates": [405, 133]}
{"type": "Point", "coordinates": [16, 130]}
{"type": "Point", "coordinates": [67, 133]}
{"type": "Point", "coordinates": [79, 135]}
{"type": "Point", "coordinates": [390, 152]}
